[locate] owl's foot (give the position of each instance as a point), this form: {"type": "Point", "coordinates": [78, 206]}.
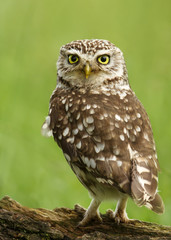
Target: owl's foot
{"type": "Point", "coordinates": [92, 213]}
{"type": "Point", "coordinates": [118, 217]}
{"type": "Point", "coordinates": [88, 218]}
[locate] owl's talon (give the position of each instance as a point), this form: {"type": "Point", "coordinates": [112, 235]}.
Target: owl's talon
{"type": "Point", "coordinates": [121, 218]}
{"type": "Point", "coordinates": [87, 219]}
{"type": "Point", "coordinates": [118, 217]}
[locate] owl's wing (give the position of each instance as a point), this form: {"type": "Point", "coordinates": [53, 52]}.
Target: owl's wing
{"type": "Point", "coordinates": [145, 166]}
{"type": "Point", "coordinates": [129, 152]}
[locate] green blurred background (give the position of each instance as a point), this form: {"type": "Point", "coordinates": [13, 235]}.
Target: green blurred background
{"type": "Point", "coordinates": [33, 170]}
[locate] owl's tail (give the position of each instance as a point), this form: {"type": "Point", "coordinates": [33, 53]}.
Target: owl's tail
{"type": "Point", "coordinates": [144, 187]}
{"type": "Point", "coordinates": [156, 204]}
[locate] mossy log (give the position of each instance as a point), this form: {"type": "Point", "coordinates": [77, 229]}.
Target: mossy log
{"type": "Point", "coordinates": [19, 222]}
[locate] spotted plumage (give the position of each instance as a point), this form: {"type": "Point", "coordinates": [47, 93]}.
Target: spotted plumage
{"type": "Point", "coordinates": [102, 128]}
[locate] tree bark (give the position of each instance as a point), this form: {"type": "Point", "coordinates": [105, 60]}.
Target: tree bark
{"type": "Point", "coordinates": [19, 222]}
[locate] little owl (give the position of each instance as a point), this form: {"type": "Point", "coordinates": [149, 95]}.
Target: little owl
{"type": "Point", "coordinates": [103, 129]}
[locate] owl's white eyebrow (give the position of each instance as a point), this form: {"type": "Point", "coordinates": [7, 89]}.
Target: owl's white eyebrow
{"type": "Point", "coordinates": [73, 51]}
{"type": "Point", "coordinates": [102, 52]}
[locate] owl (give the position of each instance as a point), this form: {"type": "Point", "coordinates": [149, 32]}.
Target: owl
{"type": "Point", "coordinates": [103, 129]}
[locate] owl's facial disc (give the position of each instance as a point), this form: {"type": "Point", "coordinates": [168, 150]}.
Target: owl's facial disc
{"type": "Point", "coordinates": [84, 64]}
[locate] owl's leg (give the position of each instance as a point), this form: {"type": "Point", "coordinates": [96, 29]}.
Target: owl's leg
{"type": "Point", "coordinates": [120, 214]}
{"type": "Point", "coordinates": [91, 213]}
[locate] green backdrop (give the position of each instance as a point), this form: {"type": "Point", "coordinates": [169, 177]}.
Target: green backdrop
{"type": "Point", "coordinates": [33, 170]}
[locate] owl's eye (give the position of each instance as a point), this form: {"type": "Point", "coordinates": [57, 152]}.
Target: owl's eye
{"type": "Point", "coordinates": [103, 59]}
{"type": "Point", "coordinates": [73, 58]}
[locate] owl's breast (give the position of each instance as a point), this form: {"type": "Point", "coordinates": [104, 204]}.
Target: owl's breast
{"type": "Point", "coordinates": [93, 123]}
{"type": "Point", "coordinates": [96, 123]}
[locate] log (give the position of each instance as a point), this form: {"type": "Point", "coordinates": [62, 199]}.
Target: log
{"type": "Point", "coordinates": [19, 222]}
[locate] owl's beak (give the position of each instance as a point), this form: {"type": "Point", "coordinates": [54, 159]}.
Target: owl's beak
{"type": "Point", "coordinates": [87, 69]}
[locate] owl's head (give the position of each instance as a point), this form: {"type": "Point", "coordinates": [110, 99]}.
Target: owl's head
{"type": "Point", "coordinates": [91, 62]}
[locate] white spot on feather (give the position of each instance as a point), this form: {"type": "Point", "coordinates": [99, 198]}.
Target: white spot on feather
{"type": "Point", "coordinates": [66, 107]}
{"type": "Point", "coordinates": [155, 164]}
{"type": "Point", "coordinates": [141, 169]}
{"type": "Point", "coordinates": [126, 118]}
{"type": "Point", "coordinates": [60, 136]}
{"type": "Point", "coordinates": [155, 177]}
{"type": "Point", "coordinates": [117, 117]}
{"type": "Point", "coordinates": [66, 131]}
{"type": "Point", "coordinates": [100, 117]}
{"type": "Point", "coordinates": [78, 116]}
{"type": "Point", "coordinates": [75, 131]}
{"type": "Point", "coordinates": [97, 138]}
{"type": "Point", "coordinates": [143, 181]}
{"type": "Point", "coordinates": [148, 205]}
{"type": "Point", "coordinates": [116, 151]}
{"type": "Point", "coordinates": [146, 136]}
{"type": "Point", "coordinates": [125, 130]}
{"type": "Point", "coordinates": [46, 131]}
{"type": "Point", "coordinates": [71, 139]}
{"type": "Point", "coordinates": [119, 163]}
{"type": "Point", "coordinates": [90, 129]}
{"type": "Point", "coordinates": [101, 158]}
{"type": "Point", "coordinates": [105, 115]}
{"type": "Point", "coordinates": [101, 180]}
{"type": "Point", "coordinates": [92, 163]}
{"type": "Point", "coordinates": [110, 182]}
{"type": "Point", "coordinates": [88, 106]}
{"type": "Point", "coordinates": [87, 161]}
{"type": "Point", "coordinates": [122, 94]}
{"type": "Point", "coordinates": [138, 115]}
{"type": "Point", "coordinates": [122, 137]}
{"type": "Point", "coordinates": [67, 157]}
{"type": "Point", "coordinates": [85, 123]}
{"type": "Point", "coordinates": [112, 158]}
{"type": "Point", "coordinates": [132, 153]}
{"type": "Point", "coordinates": [99, 147]}
{"type": "Point", "coordinates": [92, 111]}
{"type": "Point", "coordinates": [90, 119]}
{"type": "Point", "coordinates": [64, 101]}
{"type": "Point", "coordinates": [138, 129]}
{"type": "Point", "coordinates": [45, 125]}
{"type": "Point", "coordinates": [85, 135]}
{"type": "Point", "coordinates": [80, 126]}
{"type": "Point", "coordinates": [78, 145]}
{"type": "Point", "coordinates": [48, 120]}
{"type": "Point", "coordinates": [94, 105]}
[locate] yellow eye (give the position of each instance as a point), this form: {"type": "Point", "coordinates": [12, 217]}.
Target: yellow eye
{"type": "Point", "coordinates": [103, 59]}
{"type": "Point", "coordinates": [73, 58]}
